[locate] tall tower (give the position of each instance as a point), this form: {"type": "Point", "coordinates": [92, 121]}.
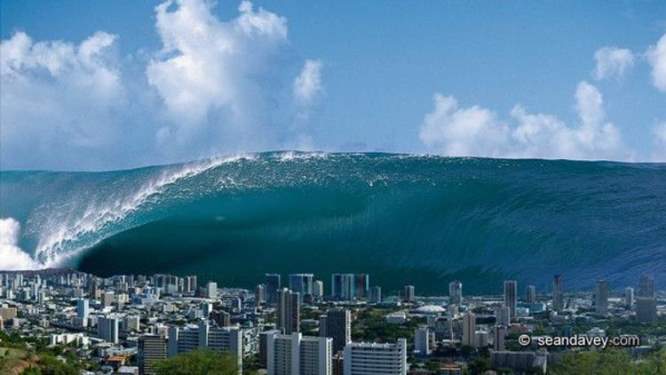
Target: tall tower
{"type": "Point", "coordinates": [288, 311]}
{"type": "Point", "coordinates": [511, 295]}
{"type": "Point", "coordinates": [558, 302]}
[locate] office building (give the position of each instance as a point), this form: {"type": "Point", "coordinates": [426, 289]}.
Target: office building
{"type": "Point", "coordinates": [107, 329]}
{"type": "Point", "coordinates": [273, 286]}
{"type": "Point", "coordinates": [263, 346]}
{"type": "Point", "coordinates": [469, 329]}
{"type": "Point", "coordinates": [211, 290]}
{"type": "Point", "coordinates": [336, 324]}
{"type": "Point", "coordinates": [601, 297]}
{"type": "Point", "coordinates": [646, 309]}
{"type": "Point", "coordinates": [318, 289]}
{"type": "Point", "coordinates": [628, 297]}
{"type": "Point", "coordinates": [530, 296]}
{"type": "Point", "coordinates": [409, 294]}
{"type": "Point", "coordinates": [511, 296]}
{"type": "Point", "coordinates": [376, 294]}
{"type": "Point", "coordinates": [646, 287]}
{"type": "Point", "coordinates": [499, 337]}
{"type": "Point", "coordinates": [343, 286]}
{"type": "Point", "coordinates": [259, 295]}
{"type": "Point", "coordinates": [288, 311]}
{"type": "Point", "coordinates": [503, 316]}
{"type": "Point", "coordinates": [455, 292]}
{"type": "Point", "coordinates": [558, 289]}
{"type": "Point", "coordinates": [83, 311]}
{"type": "Point", "coordinates": [108, 298]}
{"type": "Point", "coordinates": [295, 354]}
{"type": "Point", "coordinates": [362, 285]}
{"type": "Point", "coordinates": [422, 341]}
{"type": "Point", "coordinates": [151, 349]}
{"type": "Point", "coordinates": [376, 359]}
{"type": "Point", "coordinates": [301, 283]}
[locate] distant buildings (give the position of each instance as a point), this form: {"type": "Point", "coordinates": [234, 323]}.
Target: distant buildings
{"type": "Point", "coordinates": [349, 286]}
{"type": "Point", "coordinates": [259, 294]}
{"type": "Point", "coordinates": [301, 283]}
{"type": "Point", "coordinates": [336, 324]}
{"type": "Point", "coordinates": [558, 301]}
{"type": "Point", "coordinates": [376, 359]}
{"type": "Point", "coordinates": [628, 297]}
{"type": "Point", "coordinates": [211, 290]}
{"type": "Point", "coordinates": [107, 329]}
{"type": "Point", "coordinates": [601, 297]}
{"type": "Point", "coordinates": [469, 329]}
{"type": "Point", "coordinates": [511, 296]}
{"type": "Point", "coordinates": [409, 293]}
{"type": "Point", "coordinates": [297, 354]}
{"type": "Point", "coordinates": [376, 294]}
{"type": "Point", "coordinates": [288, 311]}
{"type": "Point", "coordinates": [422, 341]}
{"type": "Point", "coordinates": [455, 292]}
{"type": "Point", "coordinates": [530, 296]}
{"type": "Point", "coordinates": [646, 302]}
{"type": "Point", "coordinates": [83, 311]}
{"type": "Point", "coordinates": [273, 285]}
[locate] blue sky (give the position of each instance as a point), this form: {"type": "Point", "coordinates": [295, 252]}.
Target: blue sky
{"type": "Point", "coordinates": [516, 79]}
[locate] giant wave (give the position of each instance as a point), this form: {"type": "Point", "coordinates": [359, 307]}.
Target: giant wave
{"type": "Point", "coordinates": [404, 219]}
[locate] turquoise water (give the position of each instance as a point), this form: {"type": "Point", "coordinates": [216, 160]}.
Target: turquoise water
{"type": "Point", "coordinates": [403, 219]}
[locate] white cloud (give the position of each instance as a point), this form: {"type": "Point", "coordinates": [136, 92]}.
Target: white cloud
{"type": "Point", "coordinates": [656, 56]}
{"type": "Point", "coordinates": [11, 255]}
{"type": "Point", "coordinates": [57, 98]}
{"type": "Point", "coordinates": [612, 62]}
{"type": "Point", "coordinates": [308, 84]}
{"type": "Point", "coordinates": [476, 131]}
{"type": "Point", "coordinates": [659, 150]}
{"type": "Point", "coordinates": [216, 77]}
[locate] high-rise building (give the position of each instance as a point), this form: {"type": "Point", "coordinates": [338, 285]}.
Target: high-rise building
{"type": "Point", "coordinates": [646, 286]}
{"type": "Point", "coordinates": [455, 292]}
{"type": "Point", "coordinates": [409, 294]}
{"type": "Point", "coordinates": [469, 329]}
{"type": "Point", "coordinates": [499, 337]}
{"type": "Point", "coordinates": [601, 297]}
{"type": "Point", "coordinates": [530, 296]}
{"type": "Point", "coordinates": [558, 289]}
{"type": "Point", "coordinates": [511, 295]}
{"type": "Point", "coordinates": [336, 324]}
{"type": "Point", "coordinates": [107, 329]}
{"type": "Point", "coordinates": [628, 297]}
{"type": "Point", "coordinates": [295, 354]}
{"type": "Point", "coordinates": [152, 348]}
{"type": "Point", "coordinates": [108, 298]}
{"type": "Point", "coordinates": [376, 359]}
{"type": "Point", "coordinates": [220, 317]}
{"type": "Point", "coordinates": [288, 311]}
{"type": "Point", "coordinates": [273, 285]}
{"type": "Point", "coordinates": [202, 335]}
{"type": "Point", "coordinates": [503, 315]}
{"type": "Point", "coordinates": [263, 346]}
{"type": "Point", "coordinates": [190, 284]}
{"type": "Point", "coordinates": [211, 290]}
{"type": "Point", "coordinates": [376, 294]}
{"type": "Point", "coordinates": [83, 311]}
{"type": "Point", "coordinates": [301, 283]}
{"type": "Point", "coordinates": [343, 286]}
{"type": "Point", "coordinates": [259, 295]}
{"type": "Point", "coordinates": [362, 285]}
{"type": "Point", "coordinates": [318, 289]}
{"type": "Point", "coordinates": [646, 309]}
{"type": "Point", "coordinates": [422, 341]}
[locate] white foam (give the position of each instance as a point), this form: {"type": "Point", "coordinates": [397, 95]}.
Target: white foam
{"type": "Point", "coordinates": [58, 231]}
{"type": "Point", "coordinates": [12, 257]}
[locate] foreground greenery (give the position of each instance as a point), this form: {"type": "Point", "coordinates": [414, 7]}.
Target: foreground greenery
{"type": "Point", "coordinates": [198, 362]}
{"type": "Point", "coordinates": [609, 362]}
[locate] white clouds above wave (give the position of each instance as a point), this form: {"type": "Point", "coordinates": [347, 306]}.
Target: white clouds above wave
{"type": "Point", "coordinates": [656, 56]}
{"type": "Point", "coordinates": [476, 131]}
{"type": "Point", "coordinates": [215, 86]}
{"type": "Point", "coordinates": [612, 62]}
{"type": "Point", "coordinates": [308, 84]}
{"type": "Point", "coordinates": [11, 255]}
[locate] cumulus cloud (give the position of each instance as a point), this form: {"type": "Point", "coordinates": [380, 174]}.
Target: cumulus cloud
{"type": "Point", "coordinates": [11, 255]}
{"type": "Point", "coordinates": [659, 150]}
{"type": "Point", "coordinates": [57, 98]}
{"type": "Point", "coordinates": [214, 86]}
{"type": "Point", "coordinates": [476, 131]}
{"type": "Point", "coordinates": [656, 56]}
{"type": "Point", "coordinates": [308, 84]}
{"type": "Point", "coordinates": [612, 62]}
{"type": "Point", "coordinates": [220, 79]}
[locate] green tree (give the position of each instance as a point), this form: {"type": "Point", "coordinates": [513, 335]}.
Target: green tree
{"type": "Point", "coordinates": [198, 362]}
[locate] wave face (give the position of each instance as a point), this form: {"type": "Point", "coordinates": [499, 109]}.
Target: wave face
{"type": "Point", "coordinates": [403, 219]}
